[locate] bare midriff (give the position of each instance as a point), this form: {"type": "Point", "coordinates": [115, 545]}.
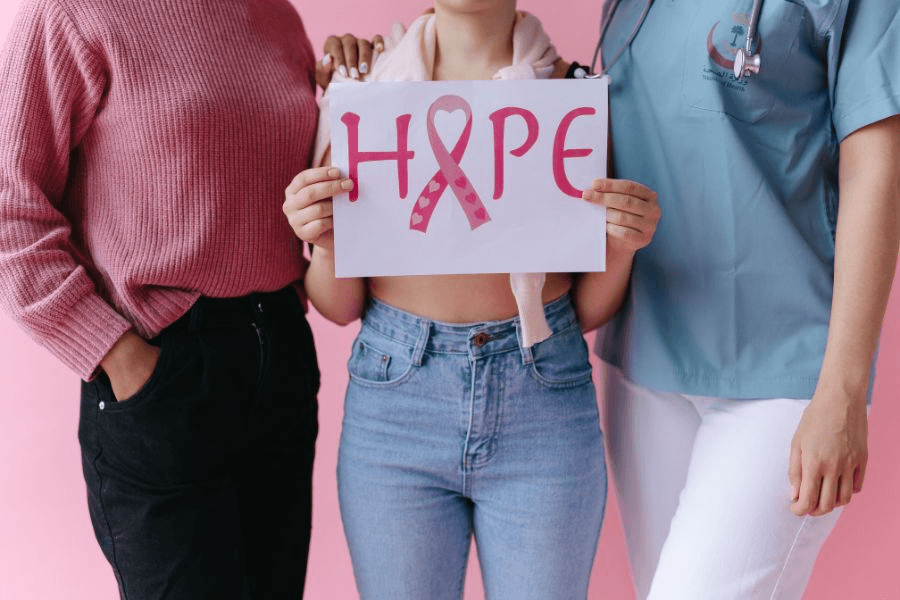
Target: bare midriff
{"type": "Point", "coordinates": [460, 298]}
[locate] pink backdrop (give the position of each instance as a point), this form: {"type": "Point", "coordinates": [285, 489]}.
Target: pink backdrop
{"type": "Point", "coordinates": [47, 548]}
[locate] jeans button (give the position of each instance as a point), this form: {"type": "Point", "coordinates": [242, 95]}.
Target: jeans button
{"type": "Point", "coordinates": [481, 339]}
{"type": "Point", "coordinates": [102, 405]}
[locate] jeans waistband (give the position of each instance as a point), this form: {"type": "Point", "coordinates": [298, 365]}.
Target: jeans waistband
{"type": "Point", "coordinates": [476, 339]}
{"type": "Point", "coordinates": [224, 313]}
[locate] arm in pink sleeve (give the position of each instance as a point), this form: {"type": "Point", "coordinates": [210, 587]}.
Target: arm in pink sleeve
{"type": "Point", "coordinates": [52, 86]}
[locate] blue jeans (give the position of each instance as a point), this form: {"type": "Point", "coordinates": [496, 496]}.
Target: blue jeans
{"type": "Point", "coordinates": [451, 430]}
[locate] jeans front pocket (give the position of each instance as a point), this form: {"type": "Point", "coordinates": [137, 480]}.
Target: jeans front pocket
{"type": "Point", "coordinates": [377, 360]}
{"type": "Point", "coordinates": [562, 360]}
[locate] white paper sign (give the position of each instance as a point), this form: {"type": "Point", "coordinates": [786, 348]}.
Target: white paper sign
{"type": "Point", "coordinates": [469, 176]}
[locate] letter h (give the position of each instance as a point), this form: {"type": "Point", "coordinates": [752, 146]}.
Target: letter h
{"type": "Point", "coordinates": [402, 155]}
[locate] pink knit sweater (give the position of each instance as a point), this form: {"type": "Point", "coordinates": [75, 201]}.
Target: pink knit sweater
{"type": "Point", "coordinates": [144, 151]}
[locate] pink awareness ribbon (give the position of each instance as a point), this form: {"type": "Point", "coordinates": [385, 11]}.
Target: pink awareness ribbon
{"type": "Point", "coordinates": [448, 171]}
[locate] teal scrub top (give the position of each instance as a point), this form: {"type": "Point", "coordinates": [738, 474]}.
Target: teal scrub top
{"type": "Point", "coordinates": [732, 298]}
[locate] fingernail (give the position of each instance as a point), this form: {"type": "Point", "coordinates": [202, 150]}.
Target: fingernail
{"type": "Point", "coordinates": [379, 46]}
{"type": "Point", "coordinates": [333, 172]}
{"type": "Point", "coordinates": [327, 60]}
{"type": "Point", "coordinates": [347, 184]}
{"type": "Point", "coordinates": [364, 68]}
{"type": "Point", "coordinates": [354, 73]}
{"type": "Point", "coordinates": [342, 70]}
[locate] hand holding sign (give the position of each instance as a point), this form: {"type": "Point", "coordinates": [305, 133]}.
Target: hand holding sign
{"type": "Point", "coordinates": [632, 213]}
{"type": "Point", "coordinates": [308, 205]}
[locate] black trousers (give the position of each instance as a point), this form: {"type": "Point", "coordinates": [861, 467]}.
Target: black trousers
{"type": "Point", "coordinates": [200, 485]}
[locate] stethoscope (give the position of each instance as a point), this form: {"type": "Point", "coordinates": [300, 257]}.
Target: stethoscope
{"type": "Point", "coordinates": [746, 62]}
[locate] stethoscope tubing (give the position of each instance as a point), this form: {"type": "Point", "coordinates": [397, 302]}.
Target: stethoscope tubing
{"type": "Point", "coordinates": [605, 19]}
{"type": "Point", "coordinates": [609, 11]}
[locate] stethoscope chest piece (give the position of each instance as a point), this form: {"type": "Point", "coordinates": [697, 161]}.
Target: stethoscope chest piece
{"type": "Point", "coordinates": [745, 64]}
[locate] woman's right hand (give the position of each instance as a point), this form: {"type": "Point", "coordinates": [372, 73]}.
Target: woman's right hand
{"type": "Point", "coordinates": [308, 205]}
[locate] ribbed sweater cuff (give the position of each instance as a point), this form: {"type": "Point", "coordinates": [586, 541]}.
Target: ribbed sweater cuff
{"type": "Point", "coordinates": [91, 329]}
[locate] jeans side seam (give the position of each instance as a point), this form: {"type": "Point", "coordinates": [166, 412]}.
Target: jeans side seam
{"type": "Point", "coordinates": [112, 540]}
{"type": "Point", "coordinates": [788, 558]}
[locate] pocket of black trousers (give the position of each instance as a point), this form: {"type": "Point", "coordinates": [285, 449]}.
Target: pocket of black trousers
{"type": "Point", "coordinates": [146, 391]}
{"type": "Point", "coordinates": [177, 430]}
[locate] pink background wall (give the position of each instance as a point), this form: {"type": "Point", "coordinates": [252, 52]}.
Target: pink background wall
{"type": "Point", "coordinates": [47, 549]}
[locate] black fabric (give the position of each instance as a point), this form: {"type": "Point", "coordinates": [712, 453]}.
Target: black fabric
{"type": "Point", "coordinates": [577, 71]}
{"type": "Point", "coordinates": [200, 485]}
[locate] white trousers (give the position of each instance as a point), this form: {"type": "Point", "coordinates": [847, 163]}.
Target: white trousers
{"type": "Point", "coordinates": [704, 494]}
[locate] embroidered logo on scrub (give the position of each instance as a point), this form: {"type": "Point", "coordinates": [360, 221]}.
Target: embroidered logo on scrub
{"type": "Point", "coordinates": [722, 45]}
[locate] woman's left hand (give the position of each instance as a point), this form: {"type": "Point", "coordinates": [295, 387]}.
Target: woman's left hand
{"type": "Point", "coordinates": [632, 212]}
{"type": "Point", "coordinates": [829, 453]}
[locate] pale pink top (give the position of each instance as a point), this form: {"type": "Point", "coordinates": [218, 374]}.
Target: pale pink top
{"type": "Point", "coordinates": [144, 152]}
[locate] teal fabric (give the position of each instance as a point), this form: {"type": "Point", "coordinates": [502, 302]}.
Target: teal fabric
{"type": "Point", "coordinates": [733, 296]}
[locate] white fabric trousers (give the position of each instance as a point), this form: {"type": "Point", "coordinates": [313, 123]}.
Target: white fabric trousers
{"type": "Point", "coordinates": [704, 494]}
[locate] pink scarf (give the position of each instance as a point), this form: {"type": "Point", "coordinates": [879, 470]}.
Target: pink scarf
{"type": "Point", "coordinates": [409, 56]}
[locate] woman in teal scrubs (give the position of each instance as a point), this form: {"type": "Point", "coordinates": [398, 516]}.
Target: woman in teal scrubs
{"type": "Point", "coordinates": [737, 377]}
{"type": "Point", "coordinates": [745, 351]}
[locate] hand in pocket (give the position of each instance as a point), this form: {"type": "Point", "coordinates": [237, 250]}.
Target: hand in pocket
{"type": "Point", "coordinates": [129, 365]}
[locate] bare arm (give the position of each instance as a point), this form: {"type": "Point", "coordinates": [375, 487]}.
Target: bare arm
{"type": "Point", "coordinates": [632, 213]}
{"type": "Point", "coordinates": [599, 296]}
{"type": "Point", "coordinates": [339, 300]}
{"type": "Point", "coordinates": [309, 209]}
{"type": "Point", "coordinates": [829, 450]}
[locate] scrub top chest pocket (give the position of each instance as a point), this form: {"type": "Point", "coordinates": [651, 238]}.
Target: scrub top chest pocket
{"type": "Point", "coordinates": [716, 32]}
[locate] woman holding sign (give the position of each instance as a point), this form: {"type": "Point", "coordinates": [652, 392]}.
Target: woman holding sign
{"type": "Point", "coordinates": [462, 415]}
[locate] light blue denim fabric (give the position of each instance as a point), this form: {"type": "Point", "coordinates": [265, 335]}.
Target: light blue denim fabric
{"type": "Point", "coordinates": [451, 430]}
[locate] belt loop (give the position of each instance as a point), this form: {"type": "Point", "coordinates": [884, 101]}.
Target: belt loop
{"type": "Point", "coordinates": [527, 356]}
{"type": "Point", "coordinates": [424, 334]}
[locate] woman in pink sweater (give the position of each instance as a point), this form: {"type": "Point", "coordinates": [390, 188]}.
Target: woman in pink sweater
{"type": "Point", "coordinates": [142, 162]}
